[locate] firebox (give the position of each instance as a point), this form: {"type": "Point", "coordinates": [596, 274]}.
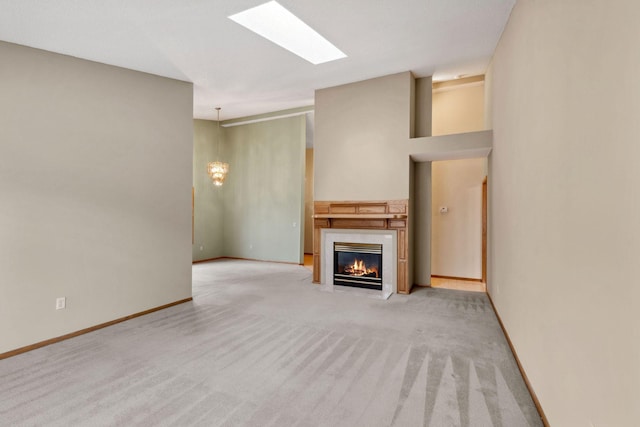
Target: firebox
{"type": "Point", "coordinates": [358, 265]}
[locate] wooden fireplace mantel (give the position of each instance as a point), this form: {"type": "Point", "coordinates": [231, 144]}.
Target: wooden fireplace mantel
{"type": "Point", "coordinates": [362, 216]}
{"type": "Point", "coordinates": [370, 215]}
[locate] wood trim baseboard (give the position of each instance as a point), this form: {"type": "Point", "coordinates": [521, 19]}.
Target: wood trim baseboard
{"type": "Point", "coordinates": [206, 260]}
{"type": "Point", "coordinates": [87, 330]}
{"type": "Point", "coordinates": [261, 260]}
{"type": "Point", "coordinates": [246, 259]}
{"type": "Point", "coordinates": [457, 278]}
{"type": "Point", "coordinates": [536, 402]}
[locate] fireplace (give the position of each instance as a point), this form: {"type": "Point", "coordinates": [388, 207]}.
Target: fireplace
{"type": "Point", "coordinates": [384, 221]}
{"type": "Point", "coordinates": [358, 265]}
{"type": "Point", "coordinates": [360, 244]}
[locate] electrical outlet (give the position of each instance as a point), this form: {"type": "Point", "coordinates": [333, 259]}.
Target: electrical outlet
{"type": "Point", "coordinates": [61, 303]}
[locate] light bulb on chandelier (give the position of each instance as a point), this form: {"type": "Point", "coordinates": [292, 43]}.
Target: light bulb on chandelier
{"type": "Point", "coordinates": [218, 170]}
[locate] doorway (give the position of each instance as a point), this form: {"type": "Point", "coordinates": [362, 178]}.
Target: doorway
{"type": "Point", "coordinates": [458, 225]}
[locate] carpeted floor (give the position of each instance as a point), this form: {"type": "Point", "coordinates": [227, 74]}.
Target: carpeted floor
{"type": "Point", "coordinates": [262, 346]}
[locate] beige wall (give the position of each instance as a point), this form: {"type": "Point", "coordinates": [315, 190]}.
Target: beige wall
{"type": "Point", "coordinates": [95, 180]}
{"type": "Point", "coordinates": [456, 239]}
{"type": "Point", "coordinates": [456, 236]}
{"type": "Point", "coordinates": [564, 190]}
{"type": "Point", "coordinates": [360, 142]}
{"type": "Point", "coordinates": [458, 109]}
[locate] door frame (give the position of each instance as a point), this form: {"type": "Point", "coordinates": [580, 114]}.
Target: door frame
{"type": "Point", "coordinates": [484, 230]}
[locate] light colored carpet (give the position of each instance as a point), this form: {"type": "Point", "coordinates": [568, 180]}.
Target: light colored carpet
{"type": "Point", "coordinates": [262, 346]}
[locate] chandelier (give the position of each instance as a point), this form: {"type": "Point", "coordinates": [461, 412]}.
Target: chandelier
{"type": "Point", "coordinates": [218, 170]}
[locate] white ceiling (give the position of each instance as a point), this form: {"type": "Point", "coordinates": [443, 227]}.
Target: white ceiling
{"type": "Point", "coordinates": [231, 67]}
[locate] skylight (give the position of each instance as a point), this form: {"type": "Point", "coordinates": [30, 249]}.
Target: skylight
{"type": "Point", "coordinates": [276, 24]}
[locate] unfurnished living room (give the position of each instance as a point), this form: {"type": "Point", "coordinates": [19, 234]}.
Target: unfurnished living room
{"type": "Point", "coordinates": [337, 213]}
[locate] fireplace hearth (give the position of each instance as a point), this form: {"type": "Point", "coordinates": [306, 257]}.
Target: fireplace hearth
{"type": "Point", "coordinates": [358, 265]}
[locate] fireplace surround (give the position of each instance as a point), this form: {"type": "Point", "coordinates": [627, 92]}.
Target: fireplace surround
{"type": "Point", "coordinates": [386, 240]}
{"type": "Point", "coordinates": [390, 216]}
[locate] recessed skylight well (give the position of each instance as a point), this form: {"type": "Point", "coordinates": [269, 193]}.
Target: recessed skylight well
{"type": "Point", "coordinates": [276, 24]}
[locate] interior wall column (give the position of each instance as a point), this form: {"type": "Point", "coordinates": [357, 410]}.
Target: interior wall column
{"type": "Point", "coordinates": [423, 107]}
{"type": "Point", "coordinates": [422, 185]}
{"type": "Point", "coordinates": [422, 227]}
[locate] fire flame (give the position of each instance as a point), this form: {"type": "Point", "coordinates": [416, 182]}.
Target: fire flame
{"type": "Point", "coordinates": [359, 268]}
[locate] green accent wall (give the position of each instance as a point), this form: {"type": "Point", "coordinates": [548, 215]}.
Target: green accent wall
{"type": "Point", "coordinates": [258, 212]}
{"type": "Point", "coordinates": [208, 211]}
